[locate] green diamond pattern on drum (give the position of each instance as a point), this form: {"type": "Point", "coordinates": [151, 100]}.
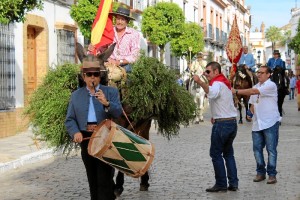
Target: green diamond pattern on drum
{"type": "Point", "coordinates": [129, 152]}
{"type": "Point", "coordinates": [133, 137]}
{"type": "Point", "coordinates": [120, 164]}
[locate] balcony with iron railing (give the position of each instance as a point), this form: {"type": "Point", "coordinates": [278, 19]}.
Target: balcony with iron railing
{"type": "Point", "coordinates": [217, 35]}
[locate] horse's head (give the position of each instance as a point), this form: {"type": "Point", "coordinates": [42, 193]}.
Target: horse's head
{"type": "Point", "coordinates": [277, 77]}
{"type": "Point", "coordinates": [240, 80]}
{"type": "Point", "coordinates": [277, 69]}
{"type": "Point", "coordinates": [81, 53]}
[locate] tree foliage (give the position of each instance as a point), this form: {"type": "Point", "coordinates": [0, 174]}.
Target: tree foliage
{"type": "Point", "coordinates": [154, 93]}
{"type": "Point", "coordinates": [84, 12]}
{"type": "Point", "coordinates": [192, 36]}
{"type": "Point", "coordinates": [273, 34]}
{"type": "Point", "coordinates": [295, 42]}
{"type": "Point", "coordinates": [15, 10]}
{"type": "Point", "coordinates": [161, 23]}
{"type": "Point", "coordinates": [48, 105]}
{"type": "Point", "coordinates": [286, 37]}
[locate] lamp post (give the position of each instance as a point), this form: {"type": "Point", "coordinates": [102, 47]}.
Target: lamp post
{"type": "Point", "coordinates": [190, 50]}
{"type": "Point", "coordinates": [258, 57]}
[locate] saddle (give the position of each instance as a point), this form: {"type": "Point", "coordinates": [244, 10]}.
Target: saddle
{"type": "Point", "coordinates": [117, 75]}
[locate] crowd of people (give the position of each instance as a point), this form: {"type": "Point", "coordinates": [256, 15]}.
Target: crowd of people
{"type": "Point", "coordinates": [93, 103]}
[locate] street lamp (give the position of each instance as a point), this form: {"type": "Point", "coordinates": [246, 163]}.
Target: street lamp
{"type": "Point", "coordinates": [258, 56]}
{"type": "Point", "coordinates": [190, 50]}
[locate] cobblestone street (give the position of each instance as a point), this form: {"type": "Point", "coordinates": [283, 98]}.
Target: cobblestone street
{"type": "Point", "coordinates": [182, 169]}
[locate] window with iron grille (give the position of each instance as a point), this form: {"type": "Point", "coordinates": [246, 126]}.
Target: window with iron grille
{"type": "Point", "coordinates": [7, 67]}
{"type": "Point", "coordinates": [65, 46]}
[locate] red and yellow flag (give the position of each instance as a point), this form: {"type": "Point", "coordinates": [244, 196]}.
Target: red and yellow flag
{"type": "Point", "coordinates": [102, 30]}
{"type": "Point", "coordinates": [234, 46]}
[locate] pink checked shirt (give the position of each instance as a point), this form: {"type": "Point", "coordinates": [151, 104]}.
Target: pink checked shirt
{"type": "Point", "coordinates": [128, 46]}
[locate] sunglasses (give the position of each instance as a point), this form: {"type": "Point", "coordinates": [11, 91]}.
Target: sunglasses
{"type": "Point", "coordinates": [207, 71]}
{"type": "Point", "coordinates": [89, 74]}
{"type": "Point", "coordinates": [261, 72]}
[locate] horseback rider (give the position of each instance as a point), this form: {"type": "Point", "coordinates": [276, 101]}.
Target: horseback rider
{"type": "Point", "coordinates": [198, 64]}
{"type": "Point", "coordinates": [276, 61]}
{"type": "Point", "coordinates": [248, 60]}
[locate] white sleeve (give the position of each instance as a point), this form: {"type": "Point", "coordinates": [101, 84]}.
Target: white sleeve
{"type": "Point", "coordinates": [214, 90]}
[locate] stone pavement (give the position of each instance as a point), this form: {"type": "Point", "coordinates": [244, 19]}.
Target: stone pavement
{"type": "Point", "coordinates": [182, 169]}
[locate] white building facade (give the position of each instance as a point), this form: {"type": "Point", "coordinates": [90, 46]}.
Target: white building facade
{"type": "Point", "coordinates": [28, 50]}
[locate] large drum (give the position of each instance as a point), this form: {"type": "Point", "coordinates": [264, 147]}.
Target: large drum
{"type": "Point", "coordinates": [121, 149]}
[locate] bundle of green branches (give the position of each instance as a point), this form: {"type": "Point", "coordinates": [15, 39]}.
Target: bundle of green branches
{"type": "Point", "coordinates": [154, 92]}
{"type": "Point", "coordinates": [48, 106]}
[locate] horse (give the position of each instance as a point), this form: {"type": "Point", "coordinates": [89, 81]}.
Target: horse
{"type": "Point", "coordinates": [197, 92]}
{"type": "Point", "coordinates": [140, 127]}
{"type": "Point", "coordinates": [186, 79]}
{"type": "Point", "coordinates": [199, 98]}
{"type": "Point", "coordinates": [282, 81]}
{"type": "Point", "coordinates": [242, 80]}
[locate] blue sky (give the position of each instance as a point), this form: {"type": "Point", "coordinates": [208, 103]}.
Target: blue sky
{"type": "Point", "coordinates": [271, 12]}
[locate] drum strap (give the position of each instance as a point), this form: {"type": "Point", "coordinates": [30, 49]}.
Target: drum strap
{"type": "Point", "coordinates": [124, 113]}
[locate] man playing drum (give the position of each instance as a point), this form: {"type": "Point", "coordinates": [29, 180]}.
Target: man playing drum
{"type": "Point", "coordinates": [88, 107]}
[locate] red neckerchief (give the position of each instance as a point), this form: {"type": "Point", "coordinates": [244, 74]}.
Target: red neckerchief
{"type": "Point", "coordinates": [221, 78]}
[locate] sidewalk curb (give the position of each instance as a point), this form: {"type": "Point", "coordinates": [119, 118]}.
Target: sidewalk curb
{"type": "Point", "coordinates": [28, 159]}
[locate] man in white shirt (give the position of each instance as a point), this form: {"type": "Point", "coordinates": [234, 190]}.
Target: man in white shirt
{"type": "Point", "coordinates": [224, 127]}
{"type": "Point", "coordinates": [265, 129]}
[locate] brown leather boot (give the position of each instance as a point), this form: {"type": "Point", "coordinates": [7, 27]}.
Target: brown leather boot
{"type": "Point", "coordinates": [272, 180]}
{"type": "Point", "coordinates": [259, 178]}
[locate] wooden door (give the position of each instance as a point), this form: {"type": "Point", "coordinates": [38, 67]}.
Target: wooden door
{"type": "Point", "coordinates": [31, 60]}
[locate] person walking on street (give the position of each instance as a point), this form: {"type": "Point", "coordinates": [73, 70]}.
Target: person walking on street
{"type": "Point", "coordinates": [88, 107]}
{"type": "Point", "coordinates": [292, 86]}
{"type": "Point", "coordinates": [265, 128]}
{"type": "Point", "coordinates": [224, 128]}
{"type": "Point", "coordinates": [297, 93]}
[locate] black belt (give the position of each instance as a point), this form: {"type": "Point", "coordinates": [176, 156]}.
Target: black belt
{"type": "Point", "coordinates": [225, 119]}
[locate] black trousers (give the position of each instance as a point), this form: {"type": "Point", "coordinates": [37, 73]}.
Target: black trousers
{"type": "Point", "coordinates": [100, 175]}
{"type": "Point", "coordinates": [120, 180]}
{"type": "Point", "coordinates": [281, 96]}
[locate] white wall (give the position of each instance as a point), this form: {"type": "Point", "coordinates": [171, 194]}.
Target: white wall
{"type": "Point", "coordinates": [52, 14]}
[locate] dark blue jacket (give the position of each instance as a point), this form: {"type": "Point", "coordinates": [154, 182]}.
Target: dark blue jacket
{"type": "Point", "coordinates": [77, 114]}
{"type": "Point", "coordinates": [272, 63]}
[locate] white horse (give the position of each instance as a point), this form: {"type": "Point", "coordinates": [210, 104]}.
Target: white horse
{"type": "Point", "coordinates": [198, 92]}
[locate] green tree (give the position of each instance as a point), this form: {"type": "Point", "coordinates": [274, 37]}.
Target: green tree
{"type": "Point", "coordinates": [161, 23]}
{"type": "Point", "coordinates": [273, 34]}
{"type": "Point", "coordinates": [84, 13]}
{"type": "Point", "coordinates": [286, 37]}
{"type": "Point", "coordinates": [15, 10]}
{"type": "Point", "coordinates": [295, 42]}
{"type": "Point", "coordinates": [190, 39]}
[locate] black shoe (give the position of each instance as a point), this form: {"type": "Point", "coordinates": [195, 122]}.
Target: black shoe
{"type": "Point", "coordinates": [216, 189]}
{"type": "Point", "coordinates": [144, 187]}
{"type": "Point", "coordinates": [118, 191]}
{"type": "Point", "coordinates": [233, 188]}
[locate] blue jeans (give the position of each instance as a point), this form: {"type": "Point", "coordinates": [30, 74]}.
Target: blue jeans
{"type": "Point", "coordinates": [222, 136]}
{"type": "Point", "coordinates": [269, 138]}
{"type": "Point", "coordinates": [128, 68]}
{"type": "Point", "coordinates": [292, 93]}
